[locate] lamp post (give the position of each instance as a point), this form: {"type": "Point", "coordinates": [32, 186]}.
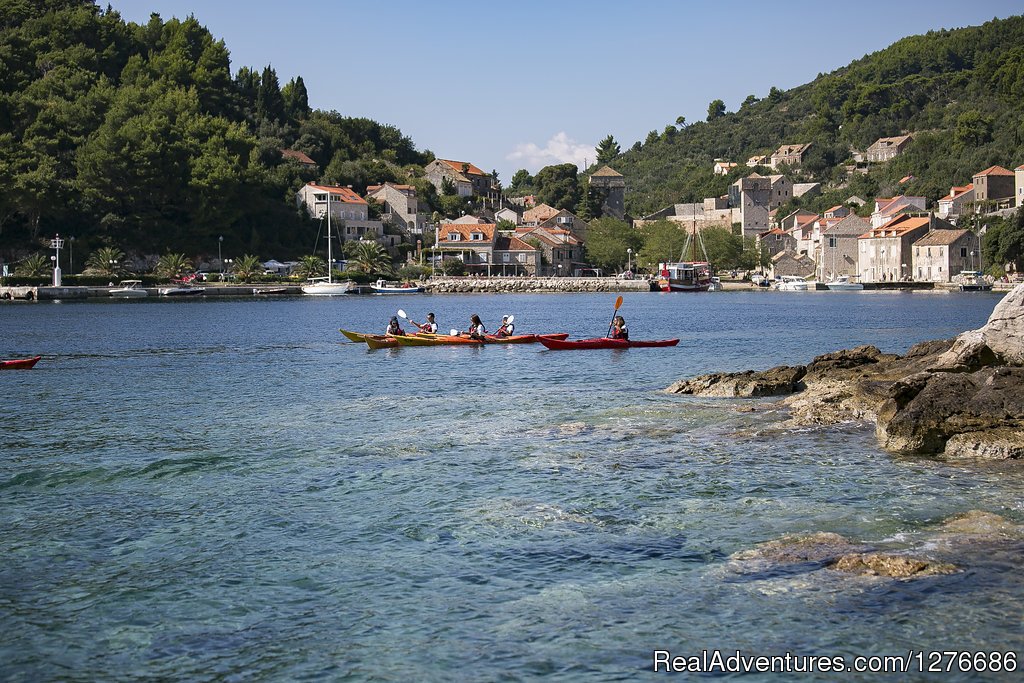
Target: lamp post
{"type": "Point", "coordinates": [559, 270]}
{"type": "Point", "coordinates": [56, 244]}
{"type": "Point", "coordinates": [629, 259]}
{"type": "Point", "coordinates": [113, 269]}
{"type": "Point", "coordinates": [229, 261]}
{"type": "Point", "coordinates": [903, 272]}
{"type": "Point", "coordinates": [220, 261]}
{"type": "Point", "coordinates": [71, 257]}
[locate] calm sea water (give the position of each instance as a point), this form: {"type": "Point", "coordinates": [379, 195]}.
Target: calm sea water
{"type": "Point", "coordinates": [226, 490]}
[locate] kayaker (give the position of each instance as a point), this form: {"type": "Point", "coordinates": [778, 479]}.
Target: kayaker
{"type": "Point", "coordinates": [507, 329]}
{"type": "Point", "coordinates": [429, 327]}
{"type": "Point", "coordinates": [394, 328]}
{"type": "Point", "coordinates": [476, 327]}
{"type": "Point", "coordinates": [619, 329]}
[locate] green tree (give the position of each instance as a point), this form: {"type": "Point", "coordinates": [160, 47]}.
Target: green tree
{"type": "Point", "coordinates": [35, 265]}
{"type": "Point", "coordinates": [269, 102]}
{"type": "Point", "coordinates": [370, 258]}
{"type": "Point", "coordinates": [173, 266]}
{"type": "Point", "coordinates": [105, 261]}
{"type": "Point", "coordinates": [663, 240]}
{"type": "Point", "coordinates": [247, 268]}
{"type": "Point", "coordinates": [973, 129]}
{"type": "Point", "coordinates": [448, 188]}
{"type": "Point", "coordinates": [716, 110]}
{"type": "Point", "coordinates": [521, 180]}
{"type": "Point", "coordinates": [607, 150]}
{"type": "Point", "coordinates": [558, 186]}
{"type": "Point", "coordinates": [724, 248]}
{"type": "Point", "coordinates": [296, 99]}
{"type": "Point", "coordinates": [681, 121]}
{"type": "Point", "coordinates": [311, 266]}
{"type": "Point", "coordinates": [607, 242]}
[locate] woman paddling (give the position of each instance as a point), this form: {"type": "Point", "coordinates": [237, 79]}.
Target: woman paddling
{"type": "Point", "coordinates": [476, 328]}
{"type": "Point", "coordinates": [619, 329]}
{"type": "Point", "coordinates": [394, 328]}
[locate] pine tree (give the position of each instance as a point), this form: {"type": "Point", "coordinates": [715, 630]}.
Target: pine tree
{"type": "Point", "coordinates": [269, 103]}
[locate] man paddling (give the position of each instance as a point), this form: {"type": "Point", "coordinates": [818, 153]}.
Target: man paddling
{"type": "Point", "coordinates": [507, 328]}
{"type": "Point", "coordinates": [429, 327]}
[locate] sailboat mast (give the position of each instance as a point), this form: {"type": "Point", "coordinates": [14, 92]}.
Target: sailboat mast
{"type": "Point", "coordinates": [330, 256]}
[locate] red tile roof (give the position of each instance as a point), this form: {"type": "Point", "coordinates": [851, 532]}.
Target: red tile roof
{"type": "Point", "coordinates": [994, 170]}
{"type": "Point", "coordinates": [345, 194]}
{"type": "Point", "coordinates": [958, 190]}
{"type": "Point", "coordinates": [512, 243]}
{"type": "Point", "coordinates": [464, 230]}
{"type": "Point", "coordinates": [297, 156]}
{"type": "Point", "coordinates": [937, 238]}
{"type": "Point", "coordinates": [457, 166]}
{"type": "Point", "coordinates": [898, 226]}
{"type": "Point", "coordinates": [377, 188]}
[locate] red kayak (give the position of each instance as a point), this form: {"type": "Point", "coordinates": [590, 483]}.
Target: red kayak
{"type": "Point", "coordinates": [22, 364]}
{"type": "Point", "coordinates": [602, 343]}
{"type": "Point", "coordinates": [522, 338]}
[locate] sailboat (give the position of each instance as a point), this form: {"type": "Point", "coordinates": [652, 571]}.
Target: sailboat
{"type": "Point", "coordinates": [687, 276]}
{"type": "Point", "coordinates": [326, 286]}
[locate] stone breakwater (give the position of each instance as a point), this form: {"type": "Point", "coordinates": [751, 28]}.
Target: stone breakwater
{"type": "Point", "coordinates": [460, 285]}
{"type": "Point", "coordinates": [957, 398]}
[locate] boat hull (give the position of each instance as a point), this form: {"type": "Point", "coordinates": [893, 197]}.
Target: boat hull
{"type": "Point", "coordinates": [326, 289]}
{"type": "Point", "coordinates": [181, 291]}
{"type": "Point", "coordinates": [19, 363]}
{"type": "Point", "coordinates": [523, 338]}
{"type": "Point", "coordinates": [396, 290]}
{"type": "Point", "coordinates": [603, 343]}
{"type": "Point", "coordinates": [378, 342]}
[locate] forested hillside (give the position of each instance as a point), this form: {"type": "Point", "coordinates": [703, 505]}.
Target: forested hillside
{"type": "Point", "coordinates": [141, 136]}
{"type": "Point", "coordinates": [960, 92]}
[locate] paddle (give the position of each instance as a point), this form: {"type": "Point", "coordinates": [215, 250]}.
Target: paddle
{"type": "Point", "coordinates": [618, 304]}
{"type": "Point", "coordinates": [401, 314]}
{"type": "Point", "coordinates": [509, 319]}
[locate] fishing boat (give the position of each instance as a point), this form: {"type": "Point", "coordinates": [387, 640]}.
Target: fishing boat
{"type": "Point", "coordinates": [385, 287]}
{"type": "Point", "coordinates": [843, 284]}
{"type": "Point", "coordinates": [602, 343]}
{"type": "Point", "coordinates": [129, 289]}
{"type": "Point", "coordinates": [687, 276]}
{"type": "Point", "coordinates": [326, 286]}
{"type": "Point", "coordinates": [19, 364]}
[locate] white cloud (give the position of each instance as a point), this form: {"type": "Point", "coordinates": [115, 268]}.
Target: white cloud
{"type": "Point", "coordinates": [560, 149]}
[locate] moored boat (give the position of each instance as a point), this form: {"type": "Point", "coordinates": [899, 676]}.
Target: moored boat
{"type": "Point", "coordinates": [325, 286]}
{"type": "Point", "coordinates": [19, 363]}
{"type": "Point", "coordinates": [791, 283]}
{"type": "Point", "coordinates": [269, 290]}
{"type": "Point", "coordinates": [602, 343]}
{"type": "Point", "coordinates": [181, 290]}
{"type": "Point", "coordinates": [129, 289]}
{"type": "Point", "coordinates": [385, 287]}
{"type": "Point", "coordinates": [843, 284]}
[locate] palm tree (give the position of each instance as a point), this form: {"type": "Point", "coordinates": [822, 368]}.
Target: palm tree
{"type": "Point", "coordinates": [105, 261]}
{"type": "Point", "coordinates": [370, 257]}
{"type": "Point", "coordinates": [247, 267]}
{"type": "Point", "coordinates": [311, 266]}
{"type": "Point", "coordinates": [173, 266]}
{"type": "Point", "coordinates": [36, 265]}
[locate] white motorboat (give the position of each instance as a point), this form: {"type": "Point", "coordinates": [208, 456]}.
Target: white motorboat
{"type": "Point", "coordinates": [791, 283]}
{"type": "Point", "coordinates": [716, 285]}
{"type": "Point", "coordinates": [385, 287]}
{"type": "Point", "coordinates": [843, 284]}
{"type": "Point", "coordinates": [129, 289]}
{"type": "Point", "coordinates": [181, 290]}
{"type": "Point", "coordinates": [324, 286]}
{"type": "Point", "coordinates": [972, 281]}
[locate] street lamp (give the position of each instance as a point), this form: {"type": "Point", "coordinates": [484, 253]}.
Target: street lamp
{"type": "Point", "coordinates": [220, 261]}
{"type": "Point", "coordinates": [629, 259]}
{"type": "Point", "coordinates": [228, 261]}
{"type": "Point", "coordinates": [559, 270]}
{"type": "Point", "coordinates": [56, 244]}
{"type": "Point", "coordinates": [71, 248]}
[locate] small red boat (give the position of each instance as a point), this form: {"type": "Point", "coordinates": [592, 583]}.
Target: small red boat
{"type": "Point", "coordinates": [522, 338]}
{"type": "Point", "coordinates": [21, 364]}
{"type": "Point", "coordinates": [602, 343]}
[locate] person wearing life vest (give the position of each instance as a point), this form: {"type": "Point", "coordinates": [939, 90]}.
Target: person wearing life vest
{"type": "Point", "coordinates": [619, 329]}
{"type": "Point", "coordinates": [476, 328]}
{"type": "Point", "coordinates": [429, 327]}
{"type": "Point", "coordinates": [394, 328]}
{"type": "Point", "coordinates": [507, 329]}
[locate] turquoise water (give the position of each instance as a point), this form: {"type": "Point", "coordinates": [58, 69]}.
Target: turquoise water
{"type": "Point", "coordinates": [226, 489]}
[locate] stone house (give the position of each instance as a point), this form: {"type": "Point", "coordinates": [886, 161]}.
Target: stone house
{"type": "Point", "coordinates": [884, 253]}
{"type": "Point", "coordinates": [299, 158]}
{"type": "Point", "coordinates": [561, 250]}
{"type": "Point", "coordinates": [776, 241]}
{"type": "Point", "coordinates": [787, 263]}
{"type": "Point", "coordinates": [751, 198]}
{"type": "Point", "coordinates": [884, 149]}
{"type": "Point", "coordinates": [349, 211]}
{"type": "Point", "coordinates": [806, 189]}
{"type": "Point", "coordinates": [759, 160]}
{"type": "Point", "coordinates": [993, 184]}
{"type": "Point", "coordinates": [1018, 182]}
{"type": "Point", "coordinates": [468, 179]}
{"type": "Point", "coordinates": [887, 208]}
{"type": "Point", "coordinates": [399, 206]}
{"type": "Point", "coordinates": [567, 220]}
{"type": "Point", "coordinates": [507, 214]}
{"type": "Point", "coordinates": [612, 185]}
{"type": "Point", "coordinates": [941, 254]}
{"type": "Point", "coordinates": [952, 205]}
{"type": "Point", "coordinates": [710, 214]}
{"type": "Point", "coordinates": [838, 251]}
{"type": "Point", "coordinates": [789, 154]}
{"type": "Point", "coordinates": [806, 232]}
{"type": "Point", "coordinates": [484, 251]}
{"type": "Point", "coordinates": [722, 167]}
{"type": "Point", "coordinates": [538, 214]}
{"type": "Point", "coordinates": [837, 211]}
{"type": "Point", "coordinates": [791, 220]}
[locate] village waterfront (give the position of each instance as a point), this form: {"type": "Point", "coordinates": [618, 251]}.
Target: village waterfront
{"type": "Point", "coordinates": [208, 489]}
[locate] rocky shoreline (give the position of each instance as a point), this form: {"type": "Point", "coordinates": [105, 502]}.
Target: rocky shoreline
{"type": "Point", "coordinates": [955, 398]}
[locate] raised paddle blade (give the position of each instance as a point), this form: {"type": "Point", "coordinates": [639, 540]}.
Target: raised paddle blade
{"type": "Point", "coordinates": [618, 303]}
{"type": "Point", "coordinates": [454, 333]}
{"type": "Point", "coordinates": [401, 314]}
{"type": "Point", "coordinates": [511, 318]}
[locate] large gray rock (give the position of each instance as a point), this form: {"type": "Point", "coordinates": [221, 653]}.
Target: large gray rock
{"type": "Point", "coordinates": [783, 379]}
{"type": "Point", "coordinates": [1004, 331]}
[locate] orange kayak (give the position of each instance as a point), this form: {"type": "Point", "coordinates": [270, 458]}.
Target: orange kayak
{"type": "Point", "coordinates": [376, 341]}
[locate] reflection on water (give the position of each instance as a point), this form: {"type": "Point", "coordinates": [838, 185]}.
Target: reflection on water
{"type": "Point", "coordinates": [229, 488]}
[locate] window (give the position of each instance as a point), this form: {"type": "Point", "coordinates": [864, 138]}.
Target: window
{"type": "Point", "coordinates": [454, 237]}
{"type": "Point", "coordinates": [778, 237]}
{"type": "Point", "coordinates": [963, 252]}
{"type": "Point", "coordinates": [928, 252]}
{"type": "Point", "coordinates": [506, 257]}
{"type": "Point", "coordinates": [833, 242]}
{"type": "Point", "coordinates": [476, 236]}
{"type": "Point", "coordinates": [483, 257]}
{"type": "Point", "coordinates": [521, 258]}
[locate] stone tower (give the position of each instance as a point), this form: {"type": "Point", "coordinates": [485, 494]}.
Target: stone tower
{"type": "Point", "coordinates": [612, 185]}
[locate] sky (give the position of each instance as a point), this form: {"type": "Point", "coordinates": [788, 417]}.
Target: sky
{"type": "Point", "coordinates": [531, 83]}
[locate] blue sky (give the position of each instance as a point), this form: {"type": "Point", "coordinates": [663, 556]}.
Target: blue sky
{"type": "Point", "coordinates": [526, 84]}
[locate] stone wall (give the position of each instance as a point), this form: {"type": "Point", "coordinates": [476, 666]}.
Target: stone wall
{"type": "Point", "coordinates": [441, 285]}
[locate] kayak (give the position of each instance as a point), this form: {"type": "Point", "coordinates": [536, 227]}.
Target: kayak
{"type": "Point", "coordinates": [376, 341]}
{"type": "Point", "coordinates": [354, 336]}
{"type": "Point", "coordinates": [601, 343]}
{"type": "Point", "coordinates": [522, 338]}
{"type": "Point", "coordinates": [19, 364]}
{"type": "Point", "coordinates": [416, 340]}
